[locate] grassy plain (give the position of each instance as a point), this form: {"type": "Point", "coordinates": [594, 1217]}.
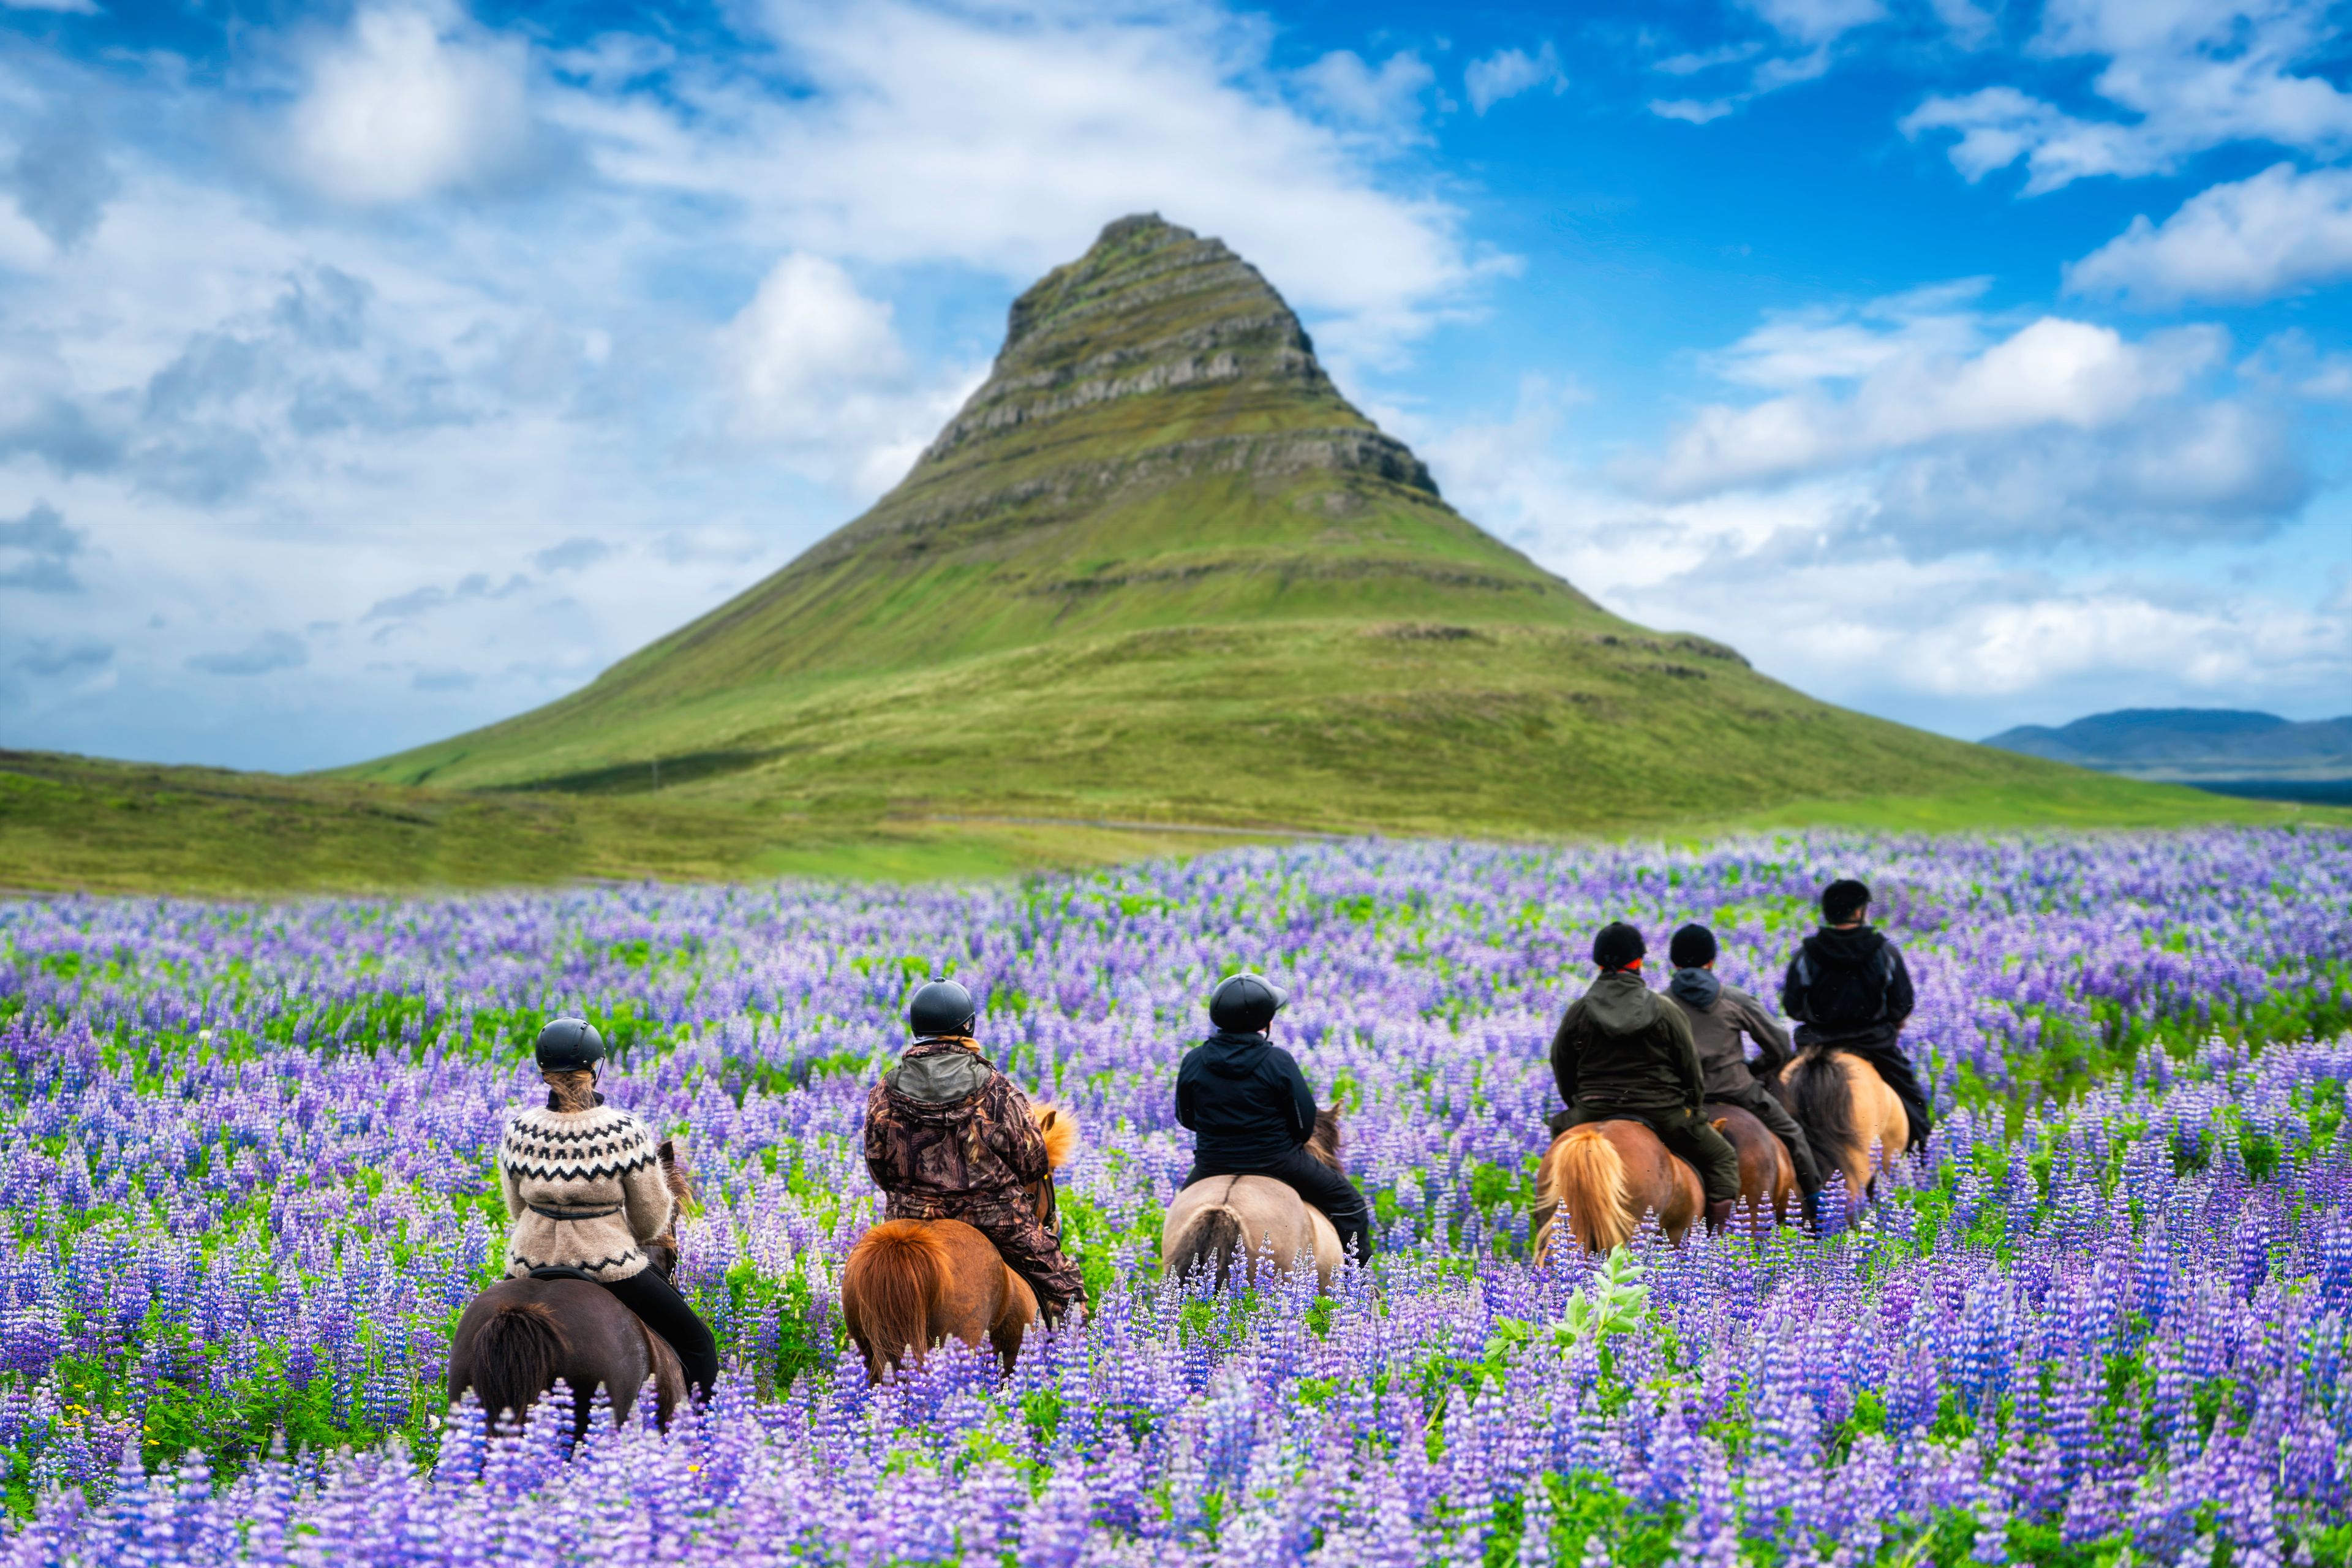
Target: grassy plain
{"type": "Point", "coordinates": [79, 824]}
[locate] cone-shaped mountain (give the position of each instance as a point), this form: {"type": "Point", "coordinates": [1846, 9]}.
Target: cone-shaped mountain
{"type": "Point", "coordinates": [1158, 567]}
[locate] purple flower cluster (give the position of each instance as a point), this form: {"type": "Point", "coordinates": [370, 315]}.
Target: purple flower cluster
{"type": "Point", "coordinates": [246, 1166]}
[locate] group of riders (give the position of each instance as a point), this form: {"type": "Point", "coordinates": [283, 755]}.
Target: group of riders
{"type": "Point", "coordinates": [948, 1136]}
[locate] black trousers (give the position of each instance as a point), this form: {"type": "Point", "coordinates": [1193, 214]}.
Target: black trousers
{"type": "Point", "coordinates": [1886, 1053]}
{"type": "Point", "coordinates": [649, 1294]}
{"type": "Point", "coordinates": [1315, 1181]}
{"type": "Point", "coordinates": [1685, 1136]}
{"type": "Point", "coordinates": [1758, 1103]}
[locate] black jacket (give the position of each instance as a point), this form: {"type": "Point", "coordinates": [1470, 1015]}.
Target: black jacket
{"type": "Point", "coordinates": [1244, 1100]}
{"type": "Point", "coordinates": [1847, 986]}
{"type": "Point", "coordinates": [1622, 1043]}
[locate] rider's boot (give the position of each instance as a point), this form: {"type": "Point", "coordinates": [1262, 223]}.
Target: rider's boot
{"type": "Point", "coordinates": [1718, 1215]}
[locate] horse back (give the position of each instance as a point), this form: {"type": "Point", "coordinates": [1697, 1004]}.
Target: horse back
{"type": "Point", "coordinates": [596, 1340]}
{"type": "Point", "coordinates": [1273, 1220]}
{"type": "Point", "coordinates": [1655, 1180]}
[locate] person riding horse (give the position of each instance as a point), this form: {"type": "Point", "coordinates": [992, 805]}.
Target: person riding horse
{"type": "Point", "coordinates": [947, 1136]}
{"type": "Point", "coordinates": [1718, 1014]}
{"type": "Point", "coordinates": [1622, 1053]}
{"type": "Point", "coordinates": [1849, 990]}
{"type": "Point", "coordinates": [585, 1186]}
{"type": "Point", "coordinates": [1252, 1114]}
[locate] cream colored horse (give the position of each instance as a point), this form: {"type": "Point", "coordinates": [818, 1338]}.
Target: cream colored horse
{"type": "Point", "coordinates": [1257, 1222]}
{"type": "Point", "coordinates": [1845, 1108]}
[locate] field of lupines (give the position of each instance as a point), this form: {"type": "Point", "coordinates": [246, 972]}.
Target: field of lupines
{"type": "Point", "coordinates": [246, 1169]}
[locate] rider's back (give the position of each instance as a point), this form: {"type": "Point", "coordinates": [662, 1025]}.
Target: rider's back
{"type": "Point", "coordinates": [1620, 1042]}
{"type": "Point", "coordinates": [1244, 1100]}
{"type": "Point", "coordinates": [944, 1125]}
{"type": "Point", "coordinates": [1848, 983]}
{"type": "Point", "coordinates": [585, 1187]}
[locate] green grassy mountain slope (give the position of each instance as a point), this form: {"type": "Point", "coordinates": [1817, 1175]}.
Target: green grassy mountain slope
{"type": "Point", "coordinates": [1157, 568]}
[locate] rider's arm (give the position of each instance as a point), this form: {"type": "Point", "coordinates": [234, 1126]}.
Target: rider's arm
{"type": "Point", "coordinates": [1771, 1040]}
{"type": "Point", "coordinates": [1794, 986]}
{"type": "Point", "coordinates": [1685, 1049]}
{"type": "Point", "coordinates": [879, 1161]}
{"type": "Point", "coordinates": [1301, 1098]}
{"type": "Point", "coordinates": [645, 1195]}
{"type": "Point", "coordinates": [1184, 1088]}
{"type": "Point", "coordinates": [510, 1187]}
{"type": "Point", "coordinates": [1564, 1052]}
{"type": "Point", "coordinates": [1900, 997]}
{"type": "Point", "coordinates": [1004, 1110]}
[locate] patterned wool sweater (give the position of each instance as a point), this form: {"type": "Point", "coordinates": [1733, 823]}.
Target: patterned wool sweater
{"type": "Point", "coordinates": [585, 1188]}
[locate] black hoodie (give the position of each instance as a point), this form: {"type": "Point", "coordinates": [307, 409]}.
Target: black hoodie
{"type": "Point", "coordinates": [1847, 984]}
{"type": "Point", "coordinates": [1244, 1100]}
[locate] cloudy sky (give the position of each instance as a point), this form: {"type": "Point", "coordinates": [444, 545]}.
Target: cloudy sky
{"type": "Point", "coordinates": [370, 374]}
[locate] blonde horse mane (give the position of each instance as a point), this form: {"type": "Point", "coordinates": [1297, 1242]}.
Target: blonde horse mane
{"type": "Point", "coordinates": [1060, 1131]}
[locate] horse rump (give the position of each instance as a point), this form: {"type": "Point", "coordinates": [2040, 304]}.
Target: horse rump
{"type": "Point", "coordinates": [890, 1288]}
{"type": "Point", "coordinates": [1588, 1180]}
{"type": "Point", "coordinates": [1215, 1245]}
{"type": "Point", "coordinates": [518, 1355]}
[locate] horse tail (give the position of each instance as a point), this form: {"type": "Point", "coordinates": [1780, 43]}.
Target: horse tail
{"type": "Point", "coordinates": [1215, 1242]}
{"type": "Point", "coordinates": [1588, 1180]}
{"type": "Point", "coordinates": [896, 1274]}
{"type": "Point", "coordinates": [1822, 1102]}
{"type": "Point", "coordinates": [518, 1355]}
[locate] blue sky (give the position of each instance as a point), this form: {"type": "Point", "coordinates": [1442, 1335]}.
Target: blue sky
{"type": "Point", "coordinates": [370, 374]}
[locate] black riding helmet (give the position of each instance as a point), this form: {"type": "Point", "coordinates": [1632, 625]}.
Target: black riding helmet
{"type": "Point", "coordinates": [568, 1045]}
{"type": "Point", "coordinates": [1246, 1004]}
{"type": "Point", "coordinates": [941, 1007]}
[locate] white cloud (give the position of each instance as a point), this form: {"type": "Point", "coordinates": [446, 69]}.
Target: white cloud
{"type": "Point", "coordinates": [2050, 371]}
{"type": "Point", "coordinates": [2251, 239]}
{"type": "Point", "coordinates": [1508, 73]}
{"type": "Point", "coordinates": [1817, 21]}
{"type": "Point", "coordinates": [407, 104]}
{"type": "Point", "coordinates": [2192, 74]}
{"type": "Point", "coordinates": [821, 377]}
{"type": "Point", "coordinates": [1386, 102]}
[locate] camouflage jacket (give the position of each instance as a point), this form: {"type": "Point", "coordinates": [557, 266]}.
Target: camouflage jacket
{"type": "Point", "coordinates": [944, 1127]}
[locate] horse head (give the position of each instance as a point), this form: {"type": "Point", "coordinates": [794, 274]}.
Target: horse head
{"type": "Point", "coordinates": [662, 1250]}
{"type": "Point", "coordinates": [1059, 1129]}
{"type": "Point", "coordinates": [1323, 1144]}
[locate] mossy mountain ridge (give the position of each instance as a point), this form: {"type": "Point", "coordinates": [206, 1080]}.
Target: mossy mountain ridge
{"type": "Point", "coordinates": [1157, 567]}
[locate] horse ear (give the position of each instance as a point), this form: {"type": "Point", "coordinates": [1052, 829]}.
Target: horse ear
{"type": "Point", "coordinates": [1046, 1121]}
{"type": "Point", "coordinates": [1720, 1122]}
{"type": "Point", "coordinates": [668, 1153]}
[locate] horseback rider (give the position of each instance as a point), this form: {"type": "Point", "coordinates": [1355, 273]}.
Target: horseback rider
{"type": "Point", "coordinates": [1718, 1015]}
{"type": "Point", "coordinates": [584, 1185]}
{"type": "Point", "coordinates": [1848, 990]}
{"type": "Point", "coordinates": [1252, 1114]}
{"type": "Point", "coordinates": [1623, 1053]}
{"type": "Point", "coordinates": [947, 1136]}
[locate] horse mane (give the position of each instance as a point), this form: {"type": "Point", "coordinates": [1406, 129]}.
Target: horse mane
{"type": "Point", "coordinates": [1323, 1144]}
{"type": "Point", "coordinates": [1822, 1101]}
{"type": "Point", "coordinates": [1060, 1131]}
{"type": "Point", "coordinates": [518, 1353]}
{"type": "Point", "coordinates": [679, 1179]}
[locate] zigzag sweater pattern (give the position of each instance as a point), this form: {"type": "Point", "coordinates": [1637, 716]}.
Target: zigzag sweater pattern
{"type": "Point", "coordinates": [582, 1161]}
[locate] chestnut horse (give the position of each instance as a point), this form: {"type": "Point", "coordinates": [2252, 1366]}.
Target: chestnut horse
{"type": "Point", "coordinates": [1767, 1177]}
{"type": "Point", "coordinates": [1604, 1176]}
{"type": "Point", "coordinates": [519, 1335]}
{"type": "Point", "coordinates": [1258, 1222]}
{"type": "Point", "coordinates": [910, 1284]}
{"type": "Point", "coordinates": [1846, 1108]}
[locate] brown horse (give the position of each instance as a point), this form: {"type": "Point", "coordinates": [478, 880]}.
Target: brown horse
{"type": "Point", "coordinates": [1604, 1176]}
{"type": "Point", "coordinates": [1259, 1223]}
{"type": "Point", "coordinates": [1846, 1108]}
{"type": "Point", "coordinates": [1767, 1177]}
{"type": "Point", "coordinates": [520, 1335]}
{"type": "Point", "coordinates": [910, 1284]}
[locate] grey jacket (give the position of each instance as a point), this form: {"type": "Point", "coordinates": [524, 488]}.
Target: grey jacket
{"type": "Point", "coordinates": [1719, 1014]}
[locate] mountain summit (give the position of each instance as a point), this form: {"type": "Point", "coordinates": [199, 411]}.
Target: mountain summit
{"type": "Point", "coordinates": [1158, 567]}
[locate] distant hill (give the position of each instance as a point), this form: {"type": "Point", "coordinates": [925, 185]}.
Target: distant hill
{"type": "Point", "coordinates": [1157, 568]}
{"type": "Point", "coordinates": [2224, 749]}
